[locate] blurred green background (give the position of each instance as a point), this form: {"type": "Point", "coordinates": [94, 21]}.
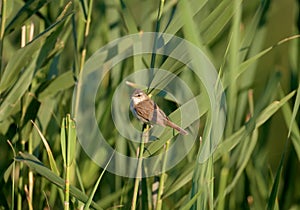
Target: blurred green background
{"type": "Point", "coordinates": [254, 46]}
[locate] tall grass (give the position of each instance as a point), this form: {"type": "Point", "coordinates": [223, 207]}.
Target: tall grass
{"type": "Point", "coordinates": [256, 165]}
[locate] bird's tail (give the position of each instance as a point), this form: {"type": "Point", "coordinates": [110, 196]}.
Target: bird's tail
{"type": "Point", "coordinates": [176, 127]}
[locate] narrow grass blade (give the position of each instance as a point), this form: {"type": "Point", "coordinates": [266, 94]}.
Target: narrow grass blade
{"type": "Point", "coordinates": [244, 66]}
{"type": "Point", "coordinates": [185, 177]}
{"type": "Point", "coordinates": [128, 18]}
{"type": "Point", "coordinates": [275, 187]}
{"type": "Point", "coordinates": [251, 31]}
{"type": "Point", "coordinates": [31, 7]}
{"type": "Point", "coordinates": [89, 201]}
{"type": "Point", "coordinates": [233, 62]}
{"type": "Point", "coordinates": [230, 143]}
{"type": "Point", "coordinates": [177, 22]}
{"type": "Point", "coordinates": [11, 171]}
{"type": "Point", "coordinates": [191, 202]}
{"type": "Point", "coordinates": [18, 63]}
{"type": "Point", "coordinates": [217, 20]}
{"type": "Point", "coordinates": [243, 161]}
{"type": "Point", "coordinates": [108, 199]}
{"type": "Point", "coordinates": [32, 162]}
{"type": "Point", "coordinates": [62, 82]}
{"type": "Point", "coordinates": [295, 133]}
{"type": "Point", "coordinates": [266, 97]}
{"type": "Point", "coordinates": [26, 59]}
{"type": "Point", "coordinates": [17, 91]}
{"type": "Point", "coordinates": [48, 149]}
{"type": "Point", "coordinates": [272, 108]}
{"type": "Point", "coordinates": [203, 182]}
{"type": "Point", "coordinates": [295, 110]}
{"type": "Point", "coordinates": [190, 29]}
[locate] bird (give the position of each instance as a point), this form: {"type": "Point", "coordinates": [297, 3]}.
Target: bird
{"type": "Point", "coordinates": [147, 111]}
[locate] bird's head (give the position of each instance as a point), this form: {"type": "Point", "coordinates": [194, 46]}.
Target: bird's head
{"type": "Point", "coordinates": [138, 96]}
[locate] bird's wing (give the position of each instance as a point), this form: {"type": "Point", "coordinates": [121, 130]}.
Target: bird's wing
{"type": "Point", "coordinates": [149, 112]}
{"type": "Point", "coordinates": [144, 110]}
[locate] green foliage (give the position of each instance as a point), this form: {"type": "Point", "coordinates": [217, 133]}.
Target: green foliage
{"type": "Point", "coordinates": [255, 166]}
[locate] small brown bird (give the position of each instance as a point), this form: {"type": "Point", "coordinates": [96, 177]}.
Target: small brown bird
{"type": "Point", "coordinates": [147, 111]}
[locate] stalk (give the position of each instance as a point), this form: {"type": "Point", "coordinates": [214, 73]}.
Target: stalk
{"type": "Point", "coordinates": [86, 33]}
{"type": "Point", "coordinates": [2, 31]}
{"type": "Point", "coordinates": [138, 176]}
{"type": "Point", "coordinates": [162, 179]}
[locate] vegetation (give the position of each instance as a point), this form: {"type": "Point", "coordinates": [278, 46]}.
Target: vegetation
{"type": "Point", "coordinates": [254, 45]}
